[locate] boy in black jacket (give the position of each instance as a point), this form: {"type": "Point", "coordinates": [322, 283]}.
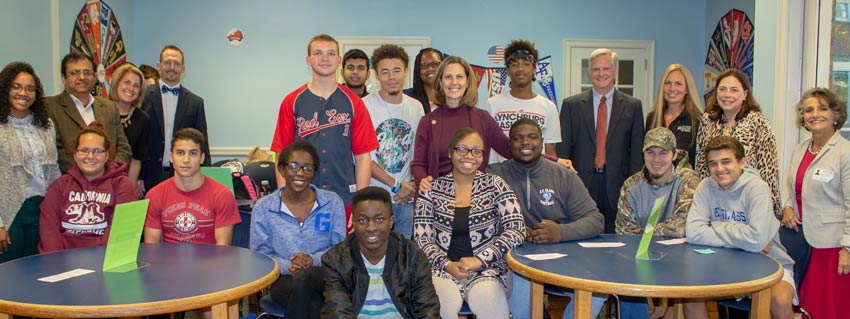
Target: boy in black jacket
{"type": "Point", "coordinates": [375, 272]}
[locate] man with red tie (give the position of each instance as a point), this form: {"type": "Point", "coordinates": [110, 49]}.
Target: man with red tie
{"type": "Point", "coordinates": [171, 107]}
{"type": "Point", "coordinates": [602, 134]}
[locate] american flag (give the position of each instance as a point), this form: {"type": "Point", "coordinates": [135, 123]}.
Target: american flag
{"type": "Point", "coordinates": [496, 54]}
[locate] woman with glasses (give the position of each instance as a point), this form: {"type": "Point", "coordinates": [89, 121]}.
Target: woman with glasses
{"type": "Point", "coordinates": [27, 159]}
{"type": "Point", "coordinates": [466, 224]}
{"type": "Point", "coordinates": [457, 97]}
{"type": "Point", "coordinates": [127, 90]}
{"type": "Point", "coordinates": [78, 208]}
{"type": "Point", "coordinates": [296, 225]}
{"type": "Point", "coordinates": [424, 75]}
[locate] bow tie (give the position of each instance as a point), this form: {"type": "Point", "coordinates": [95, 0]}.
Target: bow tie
{"type": "Point", "coordinates": [174, 90]}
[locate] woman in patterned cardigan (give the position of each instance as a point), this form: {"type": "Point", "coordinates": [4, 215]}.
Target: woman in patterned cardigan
{"type": "Point", "coordinates": [732, 111]}
{"type": "Point", "coordinates": [466, 224]}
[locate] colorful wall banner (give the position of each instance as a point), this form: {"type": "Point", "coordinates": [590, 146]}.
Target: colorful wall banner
{"type": "Point", "coordinates": [497, 78]}
{"type": "Point", "coordinates": [98, 35]}
{"type": "Point", "coordinates": [730, 47]}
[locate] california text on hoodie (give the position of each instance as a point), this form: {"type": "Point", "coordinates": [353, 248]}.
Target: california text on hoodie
{"type": "Point", "coordinates": [77, 212]}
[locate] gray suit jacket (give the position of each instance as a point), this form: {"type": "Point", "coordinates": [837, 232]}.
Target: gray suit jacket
{"type": "Point", "coordinates": [825, 193]}
{"type": "Point", "coordinates": [624, 143]}
{"type": "Point", "coordinates": [68, 121]}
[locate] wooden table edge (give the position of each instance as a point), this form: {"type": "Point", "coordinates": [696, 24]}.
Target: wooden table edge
{"type": "Point", "coordinates": [139, 309]}
{"type": "Point", "coordinates": [704, 291]}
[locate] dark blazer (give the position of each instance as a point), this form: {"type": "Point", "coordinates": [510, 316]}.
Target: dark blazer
{"type": "Point", "coordinates": [190, 113]}
{"type": "Point", "coordinates": [624, 144]}
{"type": "Point", "coordinates": [68, 121]}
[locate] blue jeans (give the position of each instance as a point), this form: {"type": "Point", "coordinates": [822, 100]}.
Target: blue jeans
{"type": "Point", "coordinates": [403, 217]}
{"type": "Point", "coordinates": [520, 303]}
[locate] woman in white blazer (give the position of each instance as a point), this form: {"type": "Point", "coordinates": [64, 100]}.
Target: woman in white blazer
{"type": "Point", "coordinates": [819, 202]}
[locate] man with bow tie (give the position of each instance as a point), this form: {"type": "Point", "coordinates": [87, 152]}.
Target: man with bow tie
{"type": "Point", "coordinates": [171, 107]}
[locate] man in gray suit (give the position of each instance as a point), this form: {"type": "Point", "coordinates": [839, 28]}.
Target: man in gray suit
{"type": "Point", "coordinates": [76, 107]}
{"type": "Point", "coordinates": [602, 134]}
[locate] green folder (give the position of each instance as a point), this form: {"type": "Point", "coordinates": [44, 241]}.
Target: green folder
{"type": "Point", "coordinates": [643, 248]}
{"type": "Point", "coordinates": [223, 175]}
{"type": "Point", "coordinates": [122, 246]}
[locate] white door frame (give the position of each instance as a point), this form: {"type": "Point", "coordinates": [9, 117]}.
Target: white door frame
{"type": "Point", "coordinates": [647, 45]}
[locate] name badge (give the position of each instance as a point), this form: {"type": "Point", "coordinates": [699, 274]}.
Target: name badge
{"type": "Point", "coordinates": [823, 175]}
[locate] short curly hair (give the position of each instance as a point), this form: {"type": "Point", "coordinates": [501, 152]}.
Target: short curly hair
{"type": "Point", "coordinates": [389, 51]}
{"type": "Point", "coordinates": [837, 104]}
{"type": "Point", "coordinates": [7, 76]}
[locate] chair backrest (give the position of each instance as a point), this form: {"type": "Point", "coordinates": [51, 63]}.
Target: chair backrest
{"type": "Point", "coordinates": [262, 171]}
{"type": "Point", "coordinates": [268, 306]}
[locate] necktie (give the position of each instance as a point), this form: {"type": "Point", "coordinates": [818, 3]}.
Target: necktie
{"type": "Point", "coordinates": [601, 133]}
{"type": "Point", "coordinates": [174, 90]}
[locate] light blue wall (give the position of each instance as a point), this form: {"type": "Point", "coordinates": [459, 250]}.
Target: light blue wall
{"type": "Point", "coordinates": [30, 35]}
{"type": "Point", "coordinates": [243, 85]}
{"type": "Point", "coordinates": [27, 25]}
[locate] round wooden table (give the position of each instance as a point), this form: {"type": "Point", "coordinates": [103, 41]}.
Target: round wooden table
{"type": "Point", "coordinates": [173, 278]}
{"type": "Point", "coordinates": [681, 273]}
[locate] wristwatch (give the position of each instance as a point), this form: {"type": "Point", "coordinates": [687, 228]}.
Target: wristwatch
{"type": "Point", "coordinates": [847, 249]}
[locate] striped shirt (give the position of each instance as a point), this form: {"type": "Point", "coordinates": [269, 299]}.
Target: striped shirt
{"type": "Point", "coordinates": [378, 303]}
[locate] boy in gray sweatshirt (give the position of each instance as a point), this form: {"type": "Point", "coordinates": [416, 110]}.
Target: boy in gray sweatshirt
{"type": "Point", "coordinates": [555, 204]}
{"type": "Point", "coordinates": [734, 209]}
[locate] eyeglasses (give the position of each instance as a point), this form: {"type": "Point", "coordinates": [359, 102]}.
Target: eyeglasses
{"type": "Point", "coordinates": [307, 168]}
{"type": "Point", "coordinates": [432, 64]}
{"type": "Point", "coordinates": [83, 72]}
{"type": "Point", "coordinates": [463, 150]}
{"type": "Point", "coordinates": [94, 151]}
{"type": "Point", "coordinates": [28, 88]}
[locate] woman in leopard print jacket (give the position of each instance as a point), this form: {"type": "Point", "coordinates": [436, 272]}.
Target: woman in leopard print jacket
{"type": "Point", "coordinates": [734, 112]}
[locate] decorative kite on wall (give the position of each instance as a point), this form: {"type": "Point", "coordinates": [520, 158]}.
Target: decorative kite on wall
{"type": "Point", "coordinates": [98, 35]}
{"type": "Point", "coordinates": [731, 46]}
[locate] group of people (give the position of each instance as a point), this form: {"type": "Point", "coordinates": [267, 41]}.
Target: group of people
{"type": "Point", "coordinates": [409, 214]}
{"type": "Point", "coordinates": [108, 151]}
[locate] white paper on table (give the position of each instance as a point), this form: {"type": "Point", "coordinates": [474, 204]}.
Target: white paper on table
{"type": "Point", "coordinates": [65, 275]}
{"type": "Point", "coordinates": [544, 256]}
{"type": "Point", "coordinates": [674, 241]}
{"type": "Point", "coordinates": [601, 245]}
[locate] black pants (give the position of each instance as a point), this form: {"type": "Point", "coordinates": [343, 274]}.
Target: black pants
{"type": "Point", "coordinates": [599, 193]}
{"type": "Point", "coordinates": [301, 293]}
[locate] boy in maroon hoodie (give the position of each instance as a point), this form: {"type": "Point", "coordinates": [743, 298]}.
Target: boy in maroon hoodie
{"type": "Point", "coordinates": [78, 208]}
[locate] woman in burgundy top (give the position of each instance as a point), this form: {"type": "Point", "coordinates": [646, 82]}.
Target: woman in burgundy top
{"type": "Point", "coordinates": [457, 98]}
{"type": "Point", "coordinates": [820, 203]}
